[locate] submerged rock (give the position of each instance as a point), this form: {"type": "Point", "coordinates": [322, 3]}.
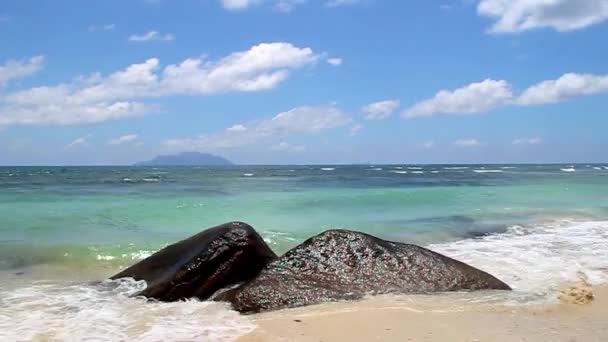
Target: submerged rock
{"type": "Point", "coordinates": [346, 265]}
{"type": "Point", "coordinates": [197, 267]}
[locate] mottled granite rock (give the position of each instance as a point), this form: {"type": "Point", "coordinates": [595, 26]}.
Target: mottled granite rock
{"type": "Point", "coordinates": [346, 265]}
{"type": "Point", "coordinates": [197, 267]}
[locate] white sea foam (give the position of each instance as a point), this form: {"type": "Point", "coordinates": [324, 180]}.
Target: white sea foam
{"type": "Point", "coordinates": [398, 167]}
{"type": "Point", "coordinates": [377, 169]}
{"type": "Point", "coordinates": [508, 167]}
{"type": "Point", "coordinates": [569, 169]}
{"type": "Point", "coordinates": [400, 172]}
{"type": "Point", "coordinates": [456, 168]}
{"type": "Point", "coordinates": [152, 180]}
{"type": "Point", "coordinates": [248, 174]}
{"type": "Point", "coordinates": [418, 172]}
{"type": "Point", "coordinates": [597, 168]}
{"type": "Point", "coordinates": [414, 168]}
{"type": "Point", "coordinates": [328, 168]}
{"type": "Point", "coordinates": [435, 171]}
{"type": "Point", "coordinates": [53, 312]}
{"type": "Point", "coordinates": [488, 171]}
{"type": "Point", "coordinates": [605, 167]}
{"type": "Point", "coordinates": [539, 259]}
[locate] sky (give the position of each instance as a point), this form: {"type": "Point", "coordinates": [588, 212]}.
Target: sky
{"type": "Point", "coordinates": [304, 81]}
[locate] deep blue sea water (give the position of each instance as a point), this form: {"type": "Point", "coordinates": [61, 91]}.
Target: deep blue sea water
{"type": "Point", "coordinates": [534, 226]}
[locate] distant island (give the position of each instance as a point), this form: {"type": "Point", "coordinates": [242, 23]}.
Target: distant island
{"type": "Point", "coordinates": [187, 159]}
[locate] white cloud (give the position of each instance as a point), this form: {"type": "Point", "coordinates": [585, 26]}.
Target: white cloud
{"type": "Point", "coordinates": [428, 144]}
{"type": "Point", "coordinates": [355, 129]}
{"type": "Point", "coordinates": [490, 94]}
{"type": "Point", "coordinates": [334, 61]}
{"type": "Point", "coordinates": [82, 141]}
{"type": "Point", "coordinates": [287, 147]}
{"type": "Point", "coordinates": [471, 99]}
{"type": "Point", "coordinates": [261, 67]}
{"type": "Point", "coordinates": [287, 5]}
{"type": "Point", "coordinates": [98, 98]}
{"type": "Point", "coordinates": [527, 141]}
{"type": "Point", "coordinates": [380, 110]}
{"type": "Point", "coordinates": [14, 69]}
{"type": "Point", "coordinates": [151, 36]}
{"type": "Point", "coordinates": [337, 3]}
{"type": "Point", "coordinates": [123, 139]}
{"type": "Point", "coordinates": [280, 5]}
{"type": "Point", "coordinates": [567, 86]}
{"type": "Point", "coordinates": [561, 15]}
{"type": "Point", "coordinates": [466, 143]}
{"type": "Point", "coordinates": [106, 27]}
{"type": "Point", "coordinates": [236, 128]}
{"type": "Point", "coordinates": [300, 120]}
{"type": "Point", "coordinates": [237, 4]}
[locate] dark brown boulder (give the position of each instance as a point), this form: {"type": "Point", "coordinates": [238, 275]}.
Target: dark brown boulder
{"type": "Point", "coordinates": [197, 267]}
{"type": "Point", "coordinates": [344, 265]}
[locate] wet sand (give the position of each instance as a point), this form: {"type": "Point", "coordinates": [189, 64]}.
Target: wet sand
{"type": "Point", "coordinates": [426, 319]}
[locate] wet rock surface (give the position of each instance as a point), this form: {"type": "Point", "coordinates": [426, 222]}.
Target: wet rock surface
{"type": "Point", "coordinates": [199, 266]}
{"type": "Point", "coordinates": [346, 265]}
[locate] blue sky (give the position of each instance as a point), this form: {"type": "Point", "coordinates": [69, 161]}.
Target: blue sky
{"type": "Point", "coordinates": [304, 81]}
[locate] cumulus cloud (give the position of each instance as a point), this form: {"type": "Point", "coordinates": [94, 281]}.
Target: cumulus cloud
{"type": "Point", "coordinates": [337, 3]}
{"type": "Point", "coordinates": [527, 141]}
{"type": "Point", "coordinates": [129, 138]}
{"type": "Point", "coordinates": [334, 61]}
{"type": "Point", "coordinates": [428, 144]}
{"type": "Point", "coordinates": [151, 36]}
{"type": "Point", "coordinates": [82, 141]}
{"type": "Point", "coordinates": [466, 143]}
{"type": "Point", "coordinates": [106, 27]}
{"type": "Point", "coordinates": [287, 147]}
{"type": "Point", "coordinates": [299, 120]}
{"type": "Point", "coordinates": [471, 99]}
{"type": "Point", "coordinates": [98, 98]}
{"type": "Point", "coordinates": [280, 5]}
{"type": "Point", "coordinates": [567, 86]}
{"type": "Point", "coordinates": [14, 69]}
{"type": "Point", "coordinates": [490, 94]}
{"type": "Point", "coordinates": [380, 110]}
{"type": "Point", "coordinates": [561, 15]}
{"type": "Point", "coordinates": [355, 129]}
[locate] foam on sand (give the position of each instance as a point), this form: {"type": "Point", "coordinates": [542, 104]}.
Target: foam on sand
{"type": "Point", "coordinates": [53, 312]}
{"type": "Point", "coordinates": [539, 259]}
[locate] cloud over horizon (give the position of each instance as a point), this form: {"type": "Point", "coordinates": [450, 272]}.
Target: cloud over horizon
{"type": "Point", "coordinates": [98, 98]}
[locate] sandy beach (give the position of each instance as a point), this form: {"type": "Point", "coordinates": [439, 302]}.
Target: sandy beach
{"type": "Point", "coordinates": [422, 319]}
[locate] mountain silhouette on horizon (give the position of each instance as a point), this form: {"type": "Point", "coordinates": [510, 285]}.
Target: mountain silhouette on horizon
{"type": "Point", "coordinates": [187, 159]}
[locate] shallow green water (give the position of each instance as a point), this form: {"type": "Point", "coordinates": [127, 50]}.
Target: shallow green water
{"type": "Point", "coordinates": [54, 214]}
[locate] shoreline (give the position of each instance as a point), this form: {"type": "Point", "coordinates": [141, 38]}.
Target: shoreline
{"type": "Point", "coordinates": [384, 319]}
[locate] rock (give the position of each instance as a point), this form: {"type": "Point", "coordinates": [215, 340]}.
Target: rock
{"type": "Point", "coordinates": [197, 267]}
{"type": "Point", "coordinates": [346, 265]}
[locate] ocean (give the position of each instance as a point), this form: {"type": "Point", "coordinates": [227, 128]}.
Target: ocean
{"type": "Point", "coordinates": [62, 229]}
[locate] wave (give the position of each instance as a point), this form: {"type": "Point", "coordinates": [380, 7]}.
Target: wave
{"type": "Point", "coordinates": [539, 259]}
{"type": "Point", "coordinates": [487, 171]}
{"type": "Point", "coordinates": [107, 312]}
{"type": "Point", "coordinates": [248, 174]}
{"type": "Point", "coordinates": [569, 169]}
{"type": "Point", "coordinates": [400, 172]}
{"type": "Point", "coordinates": [328, 168]}
{"type": "Point", "coordinates": [456, 168]}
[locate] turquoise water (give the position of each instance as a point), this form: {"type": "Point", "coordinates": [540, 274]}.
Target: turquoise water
{"type": "Point", "coordinates": [118, 210]}
{"type": "Point", "coordinates": [61, 226]}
